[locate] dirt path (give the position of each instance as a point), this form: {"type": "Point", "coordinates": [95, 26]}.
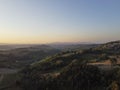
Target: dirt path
{"type": "Point", "coordinates": [7, 71]}
{"type": "Point", "coordinates": [1, 77]}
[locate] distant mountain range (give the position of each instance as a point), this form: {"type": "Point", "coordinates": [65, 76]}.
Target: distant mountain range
{"type": "Point", "coordinates": [14, 46]}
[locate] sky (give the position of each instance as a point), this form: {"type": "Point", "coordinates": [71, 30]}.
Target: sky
{"type": "Point", "coordinates": [47, 21]}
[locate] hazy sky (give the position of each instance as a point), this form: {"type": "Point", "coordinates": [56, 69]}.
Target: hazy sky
{"type": "Point", "coordinates": [45, 21]}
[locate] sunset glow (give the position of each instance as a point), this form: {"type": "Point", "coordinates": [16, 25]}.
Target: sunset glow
{"type": "Point", "coordinates": [47, 21]}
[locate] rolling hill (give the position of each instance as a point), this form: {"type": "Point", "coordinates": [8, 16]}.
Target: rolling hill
{"type": "Point", "coordinates": [72, 70]}
{"type": "Point", "coordinates": [20, 57]}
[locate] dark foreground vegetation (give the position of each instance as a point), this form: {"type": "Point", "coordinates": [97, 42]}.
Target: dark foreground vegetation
{"type": "Point", "coordinates": [96, 68]}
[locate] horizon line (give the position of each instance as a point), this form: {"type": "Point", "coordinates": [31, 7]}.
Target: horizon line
{"type": "Point", "coordinates": [97, 42]}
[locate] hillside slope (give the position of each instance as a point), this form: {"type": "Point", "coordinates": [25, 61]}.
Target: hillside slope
{"type": "Point", "coordinates": [71, 70]}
